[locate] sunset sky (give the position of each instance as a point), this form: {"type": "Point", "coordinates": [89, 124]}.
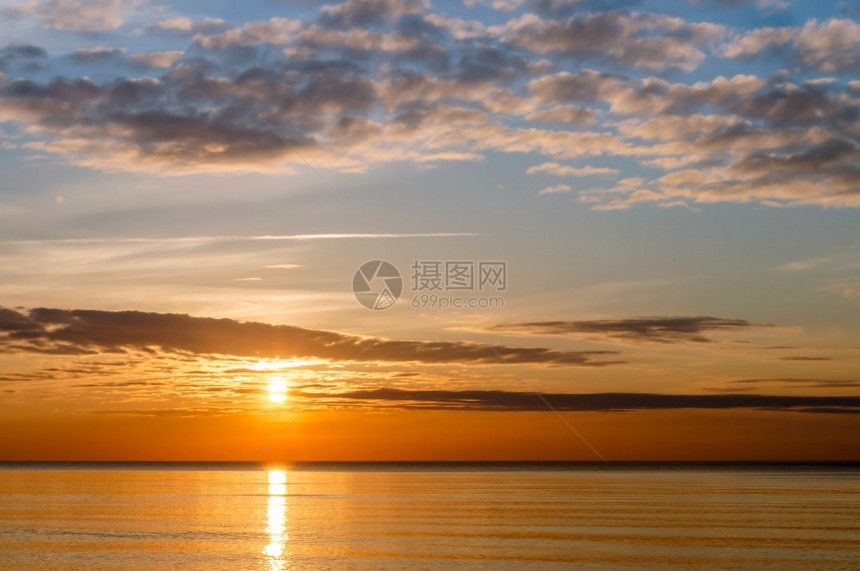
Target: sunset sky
{"type": "Point", "coordinates": [187, 189]}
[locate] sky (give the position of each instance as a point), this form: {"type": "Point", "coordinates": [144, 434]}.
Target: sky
{"type": "Point", "coordinates": [415, 230]}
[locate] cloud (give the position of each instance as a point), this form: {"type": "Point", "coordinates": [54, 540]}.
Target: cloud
{"type": "Point", "coordinates": [95, 55]}
{"type": "Point", "coordinates": [848, 291]}
{"type": "Point", "coordinates": [157, 59]}
{"type": "Point", "coordinates": [501, 5]}
{"type": "Point", "coordinates": [638, 329]}
{"type": "Point", "coordinates": [365, 12]}
{"type": "Point", "coordinates": [655, 96]}
{"type": "Point", "coordinates": [276, 31]}
{"type": "Point", "coordinates": [565, 170]}
{"type": "Point", "coordinates": [832, 46]}
{"type": "Point", "coordinates": [372, 82]}
{"type": "Point", "coordinates": [556, 189]}
{"type": "Point", "coordinates": [179, 23]}
{"type": "Point", "coordinates": [602, 402]}
{"type": "Point", "coordinates": [459, 29]}
{"type": "Point", "coordinates": [805, 383]}
{"type": "Point", "coordinates": [639, 40]}
{"type": "Point", "coordinates": [415, 96]}
{"type": "Point", "coordinates": [20, 53]}
{"type": "Point", "coordinates": [564, 8]}
{"type": "Point", "coordinates": [59, 331]}
{"type": "Point", "coordinates": [770, 142]}
{"type": "Point", "coordinates": [247, 238]}
{"type": "Point", "coordinates": [805, 265]}
{"type": "Point", "coordinates": [587, 85]}
{"type": "Point", "coordinates": [186, 26]}
{"type": "Point", "coordinates": [11, 320]}
{"type": "Point", "coordinates": [359, 40]}
{"type": "Point", "coordinates": [771, 6]}
{"type": "Point", "coordinates": [189, 122]}
{"type": "Point", "coordinates": [567, 114]}
{"type": "Point", "coordinates": [74, 15]}
{"type": "Point", "coordinates": [556, 8]}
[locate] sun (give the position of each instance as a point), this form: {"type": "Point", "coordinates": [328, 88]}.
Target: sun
{"type": "Point", "coordinates": [277, 389]}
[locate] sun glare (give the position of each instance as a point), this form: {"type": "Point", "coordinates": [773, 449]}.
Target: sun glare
{"type": "Point", "coordinates": [277, 390]}
{"type": "Point", "coordinates": [277, 364]}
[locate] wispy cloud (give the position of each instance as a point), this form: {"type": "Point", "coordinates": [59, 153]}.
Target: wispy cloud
{"type": "Point", "coordinates": [639, 329]}
{"type": "Point", "coordinates": [846, 290]}
{"type": "Point", "coordinates": [216, 239]}
{"type": "Point", "coordinates": [565, 170]}
{"type": "Point", "coordinates": [556, 189]}
{"type": "Point", "coordinates": [806, 383]}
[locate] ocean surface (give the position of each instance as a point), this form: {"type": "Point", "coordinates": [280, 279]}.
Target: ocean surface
{"type": "Point", "coordinates": [393, 516]}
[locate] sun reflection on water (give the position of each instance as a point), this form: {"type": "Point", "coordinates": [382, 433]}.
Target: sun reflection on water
{"type": "Point", "coordinates": [276, 522]}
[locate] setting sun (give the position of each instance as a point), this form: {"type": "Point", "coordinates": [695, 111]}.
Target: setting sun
{"type": "Point", "coordinates": [277, 390]}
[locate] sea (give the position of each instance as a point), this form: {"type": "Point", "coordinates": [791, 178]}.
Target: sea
{"type": "Point", "coordinates": [213, 516]}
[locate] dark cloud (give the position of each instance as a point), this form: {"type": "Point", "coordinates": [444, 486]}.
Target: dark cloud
{"type": "Point", "coordinates": [24, 53]}
{"type": "Point", "coordinates": [366, 12]}
{"type": "Point", "coordinates": [656, 96]}
{"type": "Point", "coordinates": [566, 8]}
{"type": "Point", "coordinates": [60, 331]}
{"type": "Point", "coordinates": [650, 329]}
{"type": "Point", "coordinates": [639, 40]}
{"type": "Point", "coordinates": [808, 105]}
{"type": "Point", "coordinates": [189, 119]}
{"type": "Point", "coordinates": [13, 321]}
{"type": "Point", "coordinates": [488, 63]}
{"type": "Point", "coordinates": [805, 358]}
{"type": "Point", "coordinates": [23, 377]}
{"type": "Point", "coordinates": [47, 348]}
{"type": "Point", "coordinates": [589, 86]}
{"type": "Point", "coordinates": [834, 156]}
{"type": "Point", "coordinates": [604, 402]}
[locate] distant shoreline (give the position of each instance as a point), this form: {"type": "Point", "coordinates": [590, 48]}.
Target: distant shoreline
{"type": "Point", "coordinates": [438, 466]}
